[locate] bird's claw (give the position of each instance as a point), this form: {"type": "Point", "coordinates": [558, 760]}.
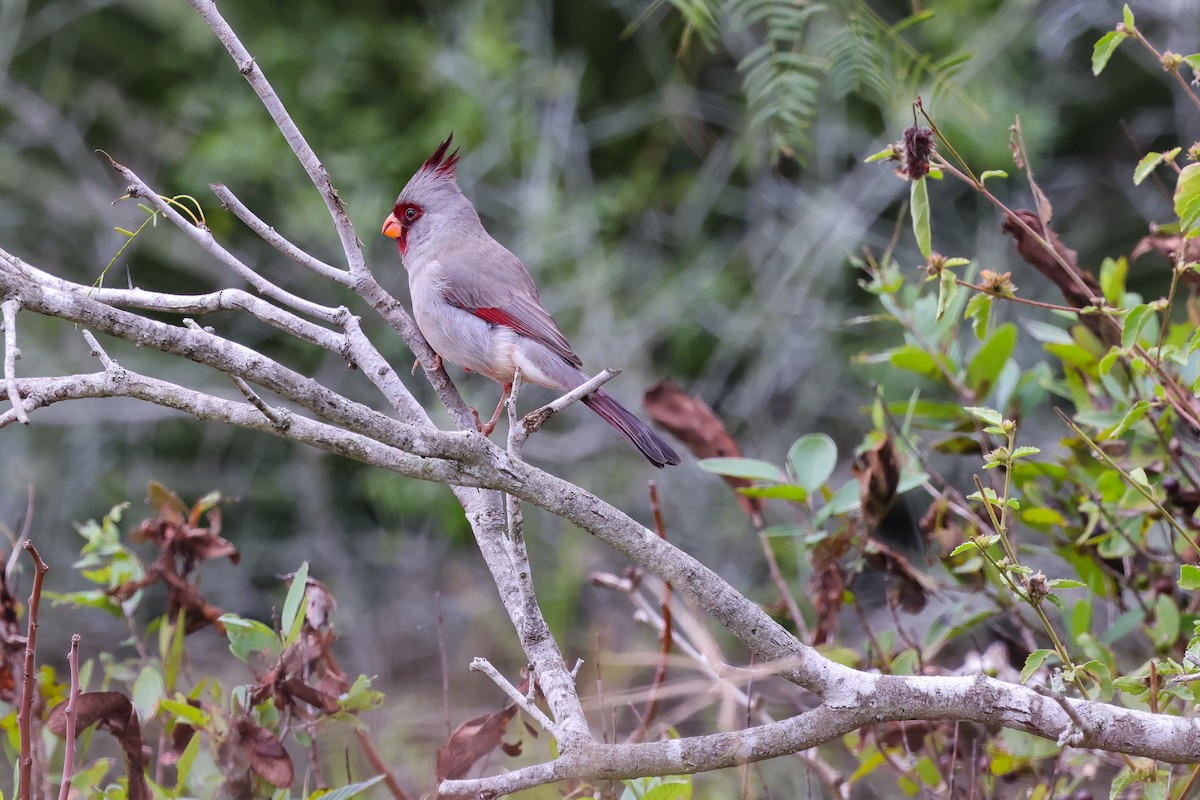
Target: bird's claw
{"type": "Point", "coordinates": [437, 364]}
{"type": "Point", "coordinates": [485, 428]}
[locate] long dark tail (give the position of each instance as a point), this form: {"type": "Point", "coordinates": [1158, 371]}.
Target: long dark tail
{"type": "Point", "coordinates": [651, 445]}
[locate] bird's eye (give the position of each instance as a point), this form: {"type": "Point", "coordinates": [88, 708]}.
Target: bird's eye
{"type": "Point", "coordinates": [410, 213]}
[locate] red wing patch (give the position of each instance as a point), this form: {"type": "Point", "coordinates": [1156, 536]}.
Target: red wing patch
{"type": "Point", "coordinates": [498, 316]}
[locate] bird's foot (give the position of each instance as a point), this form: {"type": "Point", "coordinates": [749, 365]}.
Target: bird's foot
{"type": "Point", "coordinates": [437, 364]}
{"type": "Point", "coordinates": [485, 428]}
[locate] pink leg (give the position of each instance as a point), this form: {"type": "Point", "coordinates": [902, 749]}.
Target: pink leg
{"type": "Point", "coordinates": [437, 364]}
{"type": "Point", "coordinates": [487, 429]}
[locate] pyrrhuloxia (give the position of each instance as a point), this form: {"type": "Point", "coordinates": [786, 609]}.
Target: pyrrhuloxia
{"type": "Point", "coordinates": [477, 305]}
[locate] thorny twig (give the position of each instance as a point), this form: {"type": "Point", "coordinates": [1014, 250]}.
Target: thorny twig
{"type": "Point", "coordinates": [71, 714]}
{"type": "Point", "coordinates": [24, 720]}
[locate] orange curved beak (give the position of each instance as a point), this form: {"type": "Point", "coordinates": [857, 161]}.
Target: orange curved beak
{"type": "Point", "coordinates": [391, 227]}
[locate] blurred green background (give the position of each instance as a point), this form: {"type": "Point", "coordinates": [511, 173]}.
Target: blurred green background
{"type": "Point", "coordinates": [675, 232]}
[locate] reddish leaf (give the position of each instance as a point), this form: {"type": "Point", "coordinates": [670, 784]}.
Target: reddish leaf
{"type": "Point", "coordinates": [913, 587]}
{"type": "Point", "coordinates": [298, 689]}
{"type": "Point", "coordinates": [878, 474]}
{"type": "Point", "coordinates": [320, 604]}
{"type": "Point", "coordinates": [265, 754]}
{"type": "Point", "coordinates": [473, 740]}
{"type": "Point", "coordinates": [694, 423]}
{"type": "Point", "coordinates": [1078, 286]}
{"type": "Point", "coordinates": [828, 588]}
{"type": "Point", "coordinates": [111, 711]}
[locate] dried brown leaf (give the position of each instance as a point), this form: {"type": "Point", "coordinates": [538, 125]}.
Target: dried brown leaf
{"type": "Point", "coordinates": [878, 472]}
{"type": "Point", "coordinates": [473, 740]}
{"type": "Point", "coordinates": [912, 587]}
{"type": "Point", "coordinates": [828, 588]}
{"type": "Point", "coordinates": [690, 420]}
{"type": "Point", "coordinates": [265, 754]}
{"type": "Point", "coordinates": [111, 711]}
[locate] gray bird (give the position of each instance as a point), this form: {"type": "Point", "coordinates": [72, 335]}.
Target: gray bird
{"type": "Point", "coordinates": [477, 305]}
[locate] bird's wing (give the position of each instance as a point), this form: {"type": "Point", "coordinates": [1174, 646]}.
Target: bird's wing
{"type": "Point", "coordinates": [493, 284]}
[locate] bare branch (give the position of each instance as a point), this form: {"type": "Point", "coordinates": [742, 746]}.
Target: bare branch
{"type": "Point", "coordinates": [295, 139]}
{"type": "Point", "coordinates": [24, 721]}
{"type": "Point", "coordinates": [272, 237]}
{"type": "Point", "coordinates": [64, 789]}
{"type": "Point", "coordinates": [485, 666]}
{"type": "Point", "coordinates": [11, 354]}
{"type": "Point", "coordinates": [203, 237]}
{"type": "Point", "coordinates": [537, 418]}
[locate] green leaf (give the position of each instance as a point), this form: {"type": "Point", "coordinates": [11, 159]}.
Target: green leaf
{"type": "Point", "coordinates": [1189, 577]}
{"type": "Point", "coordinates": [989, 360]}
{"type": "Point", "coordinates": [1136, 320]}
{"type": "Point", "coordinates": [919, 201]}
{"type": "Point", "coordinates": [1104, 49]}
{"type": "Point", "coordinates": [147, 692]}
{"type": "Point", "coordinates": [346, 792]}
{"type": "Point", "coordinates": [181, 709]}
{"type": "Point", "coordinates": [1066, 583]}
{"type": "Point", "coordinates": [946, 291]}
{"type": "Point", "coordinates": [1187, 198]}
{"type": "Point", "coordinates": [992, 173]}
{"type": "Point", "coordinates": [887, 152]}
{"type": "Point", "coordinates": [1127, 17]}
{"type": "Point", "coordinates": [1034, 661]}
{"type": "Point", "coordinates": [183, 767]}
{"type": "Point", "coordinates": [987, 416]}
{"type": "Point", "coordinates": [293, 606]}
{"type": "Point", "coordinates": [360, 696]}
{"type": "Point", "coordinates": [1166, 629]}
{"type": "Point", "coordinates": [812, 459]}
{"type": "Point", "coordinates": [796, 494]}
{"type": "Point", "coordinates": [914, 359]}
{"type": "Point", "coordinates": [247, 636]}
{"type": "Point", "coordinates": [844, 500]}
{"type": "Point", "coordinates": [1112, 279]}
{"type": "Point", "coordinates": [979, 309]}
{"type": "Point", "coordinates": [1145, 167]}
{"type": "Point", "coordinates": [1135, 413]}
{"type": "Point", "coordinates": [962, 548]}
{"type": "Point", "coordinates": [1042, 517]}
{"type": "Point", "coordinates": [749, 468]}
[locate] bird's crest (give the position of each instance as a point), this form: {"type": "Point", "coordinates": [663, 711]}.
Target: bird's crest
{"type": "Point", "coordinates": [441, 164]}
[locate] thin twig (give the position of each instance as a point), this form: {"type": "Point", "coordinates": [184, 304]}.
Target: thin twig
{"type": "Point", "coordinates": [272, 237]}
{"type": "Point", "coordinates": [291, 132]}
{"type": "Point", "coordinates": [537, 418]}
{"type": "Point", "coordinates": [11, 354]}
{"type": "Point", "coordinates": [485, 666]}
{"type": "Point", "coordinates": [1083, 729]}
{"type": "Point", "coordinates": [1143, 490]}
{"type": "Point", "coordinates": [110, 367]}
{"type": "Point", "coordinates": [377, 763]}
{"type": "Point", "coordinates": [1015, 299]}
{"type": "Point", "coordinates": [280, 418]}
{"type": "Point", "coordinates": [203, 236]}
{"type": "Point", "coordinates": [24, 721]}
{"type": "Point", "coordinates": [64, 788]}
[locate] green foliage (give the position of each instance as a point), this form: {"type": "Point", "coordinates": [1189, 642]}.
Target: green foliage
{"type": "Point", "coordinates": [807, 49]}
{"type": "Point", "coordinates": [217, 738]}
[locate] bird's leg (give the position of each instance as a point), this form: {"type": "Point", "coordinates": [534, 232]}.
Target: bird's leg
{"type": "Point", "coordinates": [437, 364]}
{"type": "Point", "coordinates": [487, 429]}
